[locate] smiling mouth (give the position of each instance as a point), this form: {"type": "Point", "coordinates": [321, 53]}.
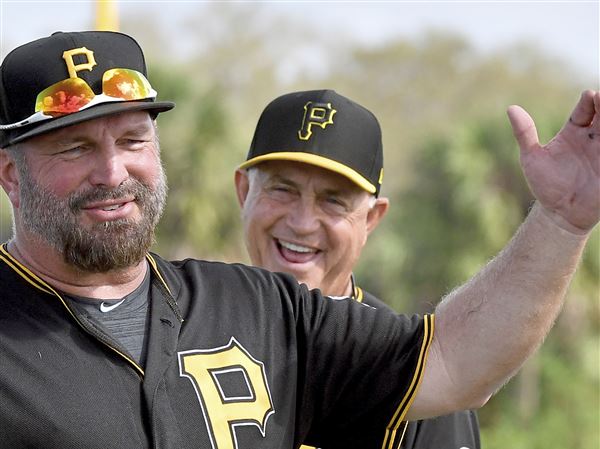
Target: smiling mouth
{"type": "Point", "coordinates": [103, 212]}
{"type": "Point", "coordinates": [294, 253]}
{"type": "Point", "coordinates": [98, 205]}
{"type": "Point", "coordinates": [113, 207]}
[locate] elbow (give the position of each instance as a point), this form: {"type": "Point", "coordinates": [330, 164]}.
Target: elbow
{"type": "Point", "coordinates": [477, 401]}
{"type": "Point", "coordinates": [468, 399]}
{"type": "Point", "coordinates": [452, 386]}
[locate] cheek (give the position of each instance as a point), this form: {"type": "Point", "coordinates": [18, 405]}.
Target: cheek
{"type": "Point", "coordinates": [349, 240]}
{"type": "Point", "coordinates": [146, 167]}
{"type": "Point", "coordinates": [260, 218]}
{"type": "Point", "coordinates": [259, 212]}
{"type": "Point", "coordinates": [67, 181]}
{"type": "Point", "coordinates": [255, 220]}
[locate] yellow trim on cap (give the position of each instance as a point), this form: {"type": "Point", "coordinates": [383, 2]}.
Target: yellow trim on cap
{"type": "Point", "coordinates": [319, 161]}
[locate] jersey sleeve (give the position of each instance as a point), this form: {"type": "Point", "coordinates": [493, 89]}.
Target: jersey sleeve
{"type": "Point", "coordinates": [362, 368]}
{"type": "Point", "coordinates": [459, 429]}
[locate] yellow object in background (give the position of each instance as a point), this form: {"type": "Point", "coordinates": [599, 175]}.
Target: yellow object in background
{"type": "Point", "coordinates": [107, 15]}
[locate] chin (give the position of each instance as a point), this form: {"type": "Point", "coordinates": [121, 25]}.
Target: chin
{"type": "Point", "coordinates": [308, 282]}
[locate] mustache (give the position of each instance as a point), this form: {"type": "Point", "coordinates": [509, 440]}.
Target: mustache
{"type": "Point", "coordinates": [131, 187]}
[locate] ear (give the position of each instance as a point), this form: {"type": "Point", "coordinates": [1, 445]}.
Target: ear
{"type": "Point", "coordinates": [9, 177]}
{"type": "Point", "coordinates": [242, 186]}
{"type": "Point", "coordinates": [376, 213]}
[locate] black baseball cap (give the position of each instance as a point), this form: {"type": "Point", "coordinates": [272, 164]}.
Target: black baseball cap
{"type": "Point", "coordinates": [31, 68]}
{"type": "Point", "coordinates": [322, 128]}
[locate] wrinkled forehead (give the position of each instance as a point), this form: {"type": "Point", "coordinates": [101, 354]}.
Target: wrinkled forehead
{"type": "Point", "coordinates": [305, 176]}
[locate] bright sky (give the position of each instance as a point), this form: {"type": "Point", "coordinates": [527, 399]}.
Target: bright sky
{"type": "Point", "coordinates": [565, 29]}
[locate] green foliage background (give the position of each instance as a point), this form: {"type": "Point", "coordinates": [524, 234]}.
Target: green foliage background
{"type": "Point", "coordinates": [451, 172]}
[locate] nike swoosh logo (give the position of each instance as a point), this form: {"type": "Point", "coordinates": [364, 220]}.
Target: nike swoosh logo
{"type": "Point", "coordinates": [104, 308]}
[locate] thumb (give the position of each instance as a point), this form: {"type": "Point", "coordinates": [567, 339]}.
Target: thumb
{"type": "Point", "coordinates": [523, 128]}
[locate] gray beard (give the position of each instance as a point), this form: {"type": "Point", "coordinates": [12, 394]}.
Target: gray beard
{"type": "Point", "coordinates": [105, 246]}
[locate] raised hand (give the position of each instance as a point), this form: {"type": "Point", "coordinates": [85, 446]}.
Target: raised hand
{"type": "Point", "coordinates": [564, 175]}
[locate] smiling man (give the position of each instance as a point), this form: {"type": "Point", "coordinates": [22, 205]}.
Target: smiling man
{"type": "Point", "coordinates": [307, 221]}
{"type": "Point", "coordinates": [95, 228]}
{"type": "Point", "coordinates": [309, 193]}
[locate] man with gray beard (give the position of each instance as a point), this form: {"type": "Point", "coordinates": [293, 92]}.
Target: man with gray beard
{"type": "Point", "coordinates": [106, 245]}
{"type": "Point", "coordinates": [104, 345]}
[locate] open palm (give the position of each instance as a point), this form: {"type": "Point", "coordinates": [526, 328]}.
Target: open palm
{"type": "Point", "coordinates": [564, 175]}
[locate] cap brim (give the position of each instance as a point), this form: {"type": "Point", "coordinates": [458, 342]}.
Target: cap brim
{"type": "Point", "coordinates": [98, 111]}
{"type": "Point", "coordinates": [313, 159]}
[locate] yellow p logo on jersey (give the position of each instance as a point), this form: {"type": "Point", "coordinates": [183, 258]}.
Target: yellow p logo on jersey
{"type": "Point", "coordinates": [320, 114]}
{"type": "Point", "coordinates": [223, 412]}
{"type": "Point", "coordinates": [74, 68]}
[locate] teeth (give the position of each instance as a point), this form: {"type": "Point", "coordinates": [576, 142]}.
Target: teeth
{"type": "Point", "coordinates": [109, 208]}
{"type": "Point", "coordinates": [296, 248]}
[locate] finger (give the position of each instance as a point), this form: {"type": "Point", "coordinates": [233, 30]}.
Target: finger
{"type": "Point", "coordinates": [585, 110]}
{"type": "Point", "coordinates": [596, 121]}
{"type": "Point", "coordinates": [523, 128]}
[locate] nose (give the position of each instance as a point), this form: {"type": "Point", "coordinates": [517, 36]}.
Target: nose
{"type": "Point", "coordinates": [110, 167]}
{"type": "Point", "coordinates": [303, 218]}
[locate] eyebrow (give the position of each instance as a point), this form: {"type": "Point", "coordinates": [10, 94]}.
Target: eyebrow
{"type": "Point", "coordinates": [276, 177]}
{"type": "Point", "coordinates": [138, 130]}
{"type": "Point", "coordinates": [337, 192]}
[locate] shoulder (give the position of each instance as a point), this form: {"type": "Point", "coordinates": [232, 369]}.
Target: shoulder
{"type": "Point", "coordinates": [213, 277]}
{"type": "Point", "coordinates": [370, 300]}
{"type": "Point", "coordinates": [206, 268]}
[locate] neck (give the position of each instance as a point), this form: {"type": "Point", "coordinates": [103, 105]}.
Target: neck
{"type": "Point", "coordinates": [45, 262]}
{"type": "Point", "coordinates": [346, 290]}
{"type": "Point", "coordinates": [350, 287]}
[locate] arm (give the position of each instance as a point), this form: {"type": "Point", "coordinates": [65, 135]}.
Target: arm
{"type": "Point", "coordinates": [488, 327]}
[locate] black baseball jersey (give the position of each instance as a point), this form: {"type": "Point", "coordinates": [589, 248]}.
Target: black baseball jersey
{"type": "Point", "coordinates": [237, 358]}
{"type": "Point", "coordinates": [459, 430]}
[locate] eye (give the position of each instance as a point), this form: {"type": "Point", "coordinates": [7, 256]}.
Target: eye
{"type": "Point", "coordinates": [335, 205]}
{"type": "Point", "coordinates": [281, 192]}
{"type": "Point", "coordinates": [134, 144]}
{"type": "Point", "coordinates": [280, 187]}
{"type": "Point", "coordinates": [72, 152]}
{"type": "Point", "coordinates": [334, 200]}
